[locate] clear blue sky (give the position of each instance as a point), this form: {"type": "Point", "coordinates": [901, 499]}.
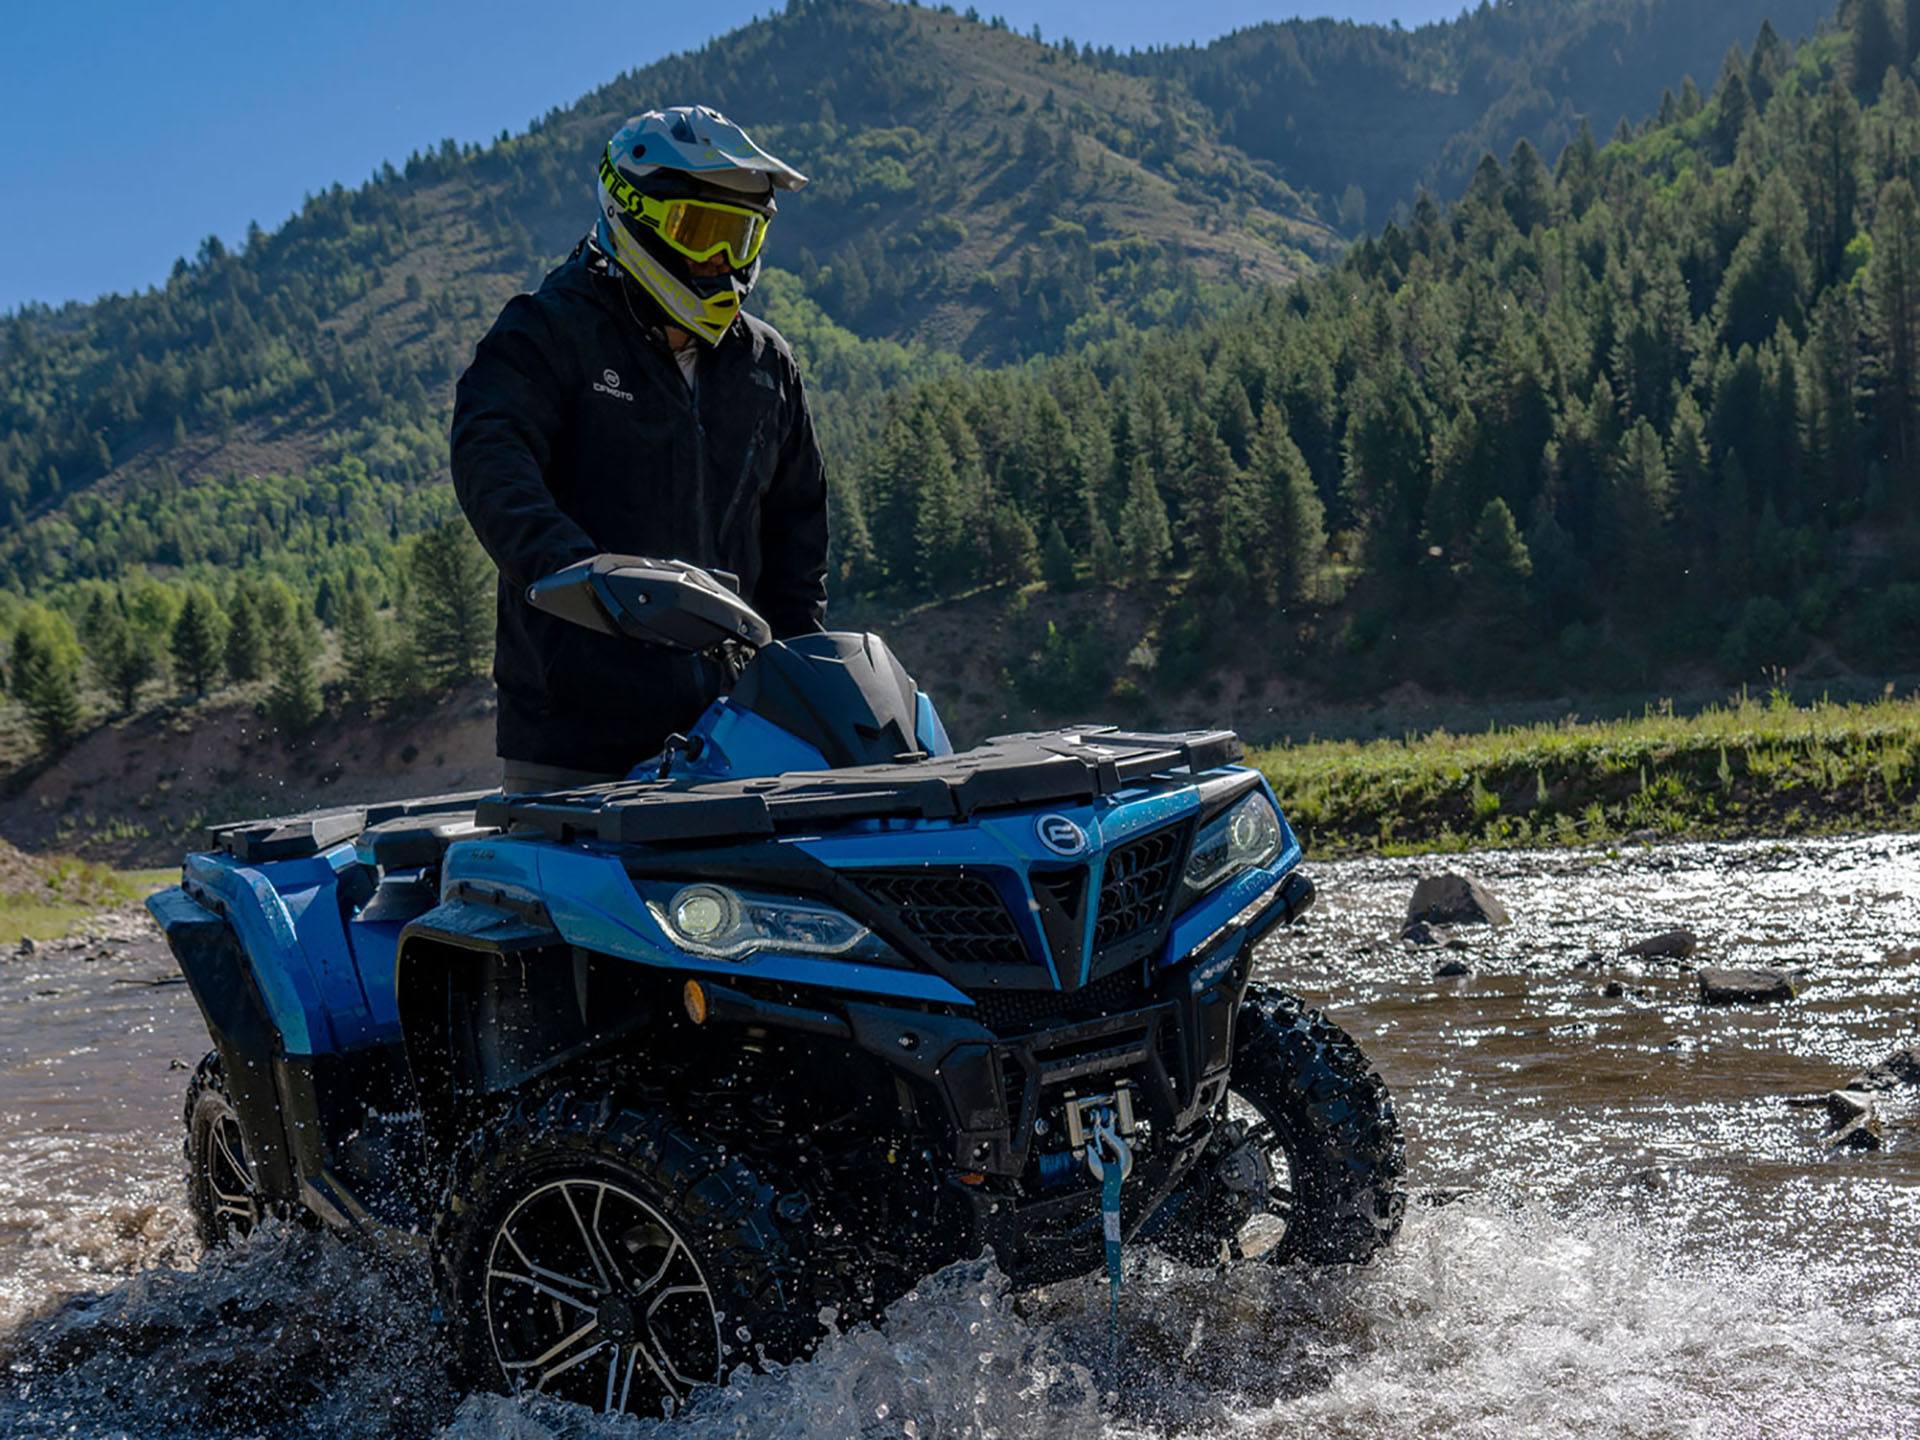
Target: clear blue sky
{"type": "Point", "coordinates": [130, 131]}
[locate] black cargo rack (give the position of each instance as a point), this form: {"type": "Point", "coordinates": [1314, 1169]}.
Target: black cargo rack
{"type": "Point", "coordinates": [1061, 767]}
{"type": "Point", "coordinates": [289, 837]}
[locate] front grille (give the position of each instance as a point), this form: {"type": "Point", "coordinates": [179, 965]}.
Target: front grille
{"type": "Point", "coordinates": [960, 917]}
{"type": "Point", "coordinates": [1012, 1011]}
{"type": "Point", "coordinates": [1133, 892]}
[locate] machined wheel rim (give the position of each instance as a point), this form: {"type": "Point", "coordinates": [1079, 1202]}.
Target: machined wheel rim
{"type": "Point", "coordinates": [593, 1296]}
{"type": "Point", "coordinates": [1273, 1189]}
{"type": "Point", "coordinates": [230, 1183]}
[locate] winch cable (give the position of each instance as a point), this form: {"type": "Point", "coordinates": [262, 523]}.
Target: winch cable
{"type": "Point", "coordinates": [1111, 1170]}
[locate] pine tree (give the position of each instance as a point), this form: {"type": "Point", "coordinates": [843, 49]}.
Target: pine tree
{"type": "Point", "coordinates": [294, 701]}
{"type": "Point", "coordinates": [122, 655]}
{"type": "Point", "coordinates": [1875, 49]}
{"type": "Point", "coordinates": [198, 636]}
{"type": "Point", "coordinates": [1768, 278]}
{"type": "Point", "coordinates": [1767, 65]}
{"type": "Point", "coordinates": [1146, 539]}
{"type": "Point", "coordinates": [452, 620]}
{"type": "Point", "coordinates": [1056, 559]}
{"type": "Point", "coordinates": [45, 680]}
{"type": "Point", "coordinates": [1387, 469]}
{"type": "Point", "coordinates": [1690, 474]}
{"type": "Point", "coordinates": [1102, 554]}
{"type": "Point", "coordinates": [939, 528]}
{"type": "Point", "coordinates": [1013, 549]}
{"type": "Point", "coordinates": [1893, 307]}
{"type": "Point", "coordinates": [1641, 501]}
{"type": "Point", "coordinates": [1529, 195]}
{"type": "Point", "coordinates": [1832, 423]}
{"type": "Point", "coordinates": [1295, 528]}
{"type": "Point", "coordinates": [363, 650]}
{"type": "Point", "coordinates": [1733, 106]}
{"type": "Point", "coordinates": [246, 649]}
{"type": "Point", "coordinates": [1498, 562]}
{"type": "Point", "coordinates": [1832, 187]}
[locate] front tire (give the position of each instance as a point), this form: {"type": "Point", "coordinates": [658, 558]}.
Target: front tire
{"type": "Point", "coordinates": [1307, 1162]}
{"type": "Point", "coordinates": [594, 1249]}
{"type": "Point", "coordinates": [223, 1192]}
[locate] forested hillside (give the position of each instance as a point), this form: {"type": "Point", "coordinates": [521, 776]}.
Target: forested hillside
{"type": "Point", "coordinates": [1658, 402]}
{"type": "Point", "coordinates": [1652, 403]}
{"type": "Point", "coordinates": [1364, 115]}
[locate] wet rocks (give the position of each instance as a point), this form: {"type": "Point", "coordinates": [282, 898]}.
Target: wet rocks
{"type": "Point", "coordinates": [1900, 1068]}
{"type": "Point", "coordinates": [1451, 968]}
{"type": "Point", "coordinates": [1453, 898]}
{"type": "Point", "coordinates": [1421, 935]}
{"type": "Point", "coordinates": [1668, 945]}
{"type": "Point", "coordinates": [1852, 1123]}
{"type": "Point", "coordinates": [1720, 986]}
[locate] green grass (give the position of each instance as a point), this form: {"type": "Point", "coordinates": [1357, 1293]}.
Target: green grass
{"type": "Point", "coordinates": [70, 891]}
{"type": "Point", "coordinates": [1748, 768]}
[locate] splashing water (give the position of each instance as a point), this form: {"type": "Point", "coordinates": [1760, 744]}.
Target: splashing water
{"type": "Point", "coordinates": [1654, 1245]}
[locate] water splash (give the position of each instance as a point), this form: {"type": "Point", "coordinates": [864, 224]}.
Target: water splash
{"type": "Point", "coordinates": [1483, 1321]}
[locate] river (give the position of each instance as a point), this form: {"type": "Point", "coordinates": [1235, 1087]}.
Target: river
{"type": "Point", "coordinates": [1624, 1225]}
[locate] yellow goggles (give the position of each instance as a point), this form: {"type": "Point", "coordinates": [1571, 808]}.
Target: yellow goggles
{"type": "Point", "coordinates": [698, 229]}
{"type": "Point", "coordinates": [702, 229]}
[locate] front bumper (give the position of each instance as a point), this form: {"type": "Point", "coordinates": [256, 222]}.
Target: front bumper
{"type": "Point", "coordinates": [994, 1093]}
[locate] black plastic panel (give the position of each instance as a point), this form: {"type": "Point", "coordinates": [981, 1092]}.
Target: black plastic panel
{"type": "Point", "coordinates": [1133, 891]}
{"type": "Point", "coordinates": [960, 917]}
{"type": "Point", "coordinates": [1053, 768]}
{"type": "Point", "coordinates": [289, 837]}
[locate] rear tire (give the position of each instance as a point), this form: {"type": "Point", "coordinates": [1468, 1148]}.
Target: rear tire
{"type": "Point", "coordinates": [591, 1247]}
{"type": "Point", "coordinates": [1307, 1162]}
{"type": "Point", "coordinates": [223, 1194]}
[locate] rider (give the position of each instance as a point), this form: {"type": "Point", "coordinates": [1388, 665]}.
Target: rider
{"type": "Point", "coordinates": [631, 406]}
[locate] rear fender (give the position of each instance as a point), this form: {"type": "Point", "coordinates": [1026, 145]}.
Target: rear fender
{"type": "Point", "coordinates": [215, 964]}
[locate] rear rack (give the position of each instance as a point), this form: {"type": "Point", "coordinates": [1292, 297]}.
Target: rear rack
{"type": "Point", "coordinates": [289, 837]}
{"type": "Point", "coordinates": [1061, 767]}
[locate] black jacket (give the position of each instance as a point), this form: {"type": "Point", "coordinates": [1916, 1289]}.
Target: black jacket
{"type": "Point", "coordinates": [574, 433]}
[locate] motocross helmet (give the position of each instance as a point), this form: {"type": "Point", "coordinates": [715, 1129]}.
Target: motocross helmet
{"type": "Point", "coordinates": [679, 187]}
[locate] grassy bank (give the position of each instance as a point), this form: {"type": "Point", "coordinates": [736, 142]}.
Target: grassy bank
{"type": "Point", "coordinates": [42, 897]}
{"type": "Point", "coordinates": [1748, 768]}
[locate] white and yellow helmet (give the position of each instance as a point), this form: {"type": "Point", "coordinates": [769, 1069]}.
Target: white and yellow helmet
{"type": "Point", "coordinates": [682, 186]}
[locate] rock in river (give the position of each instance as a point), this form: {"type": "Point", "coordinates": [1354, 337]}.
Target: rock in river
{"type": "Point", "coordinates": [1900, 1068]}
{"type": "Point", "coordinates": [1852, 1121]}
{"type": "Point", "coordinates": [1455, 899]}
{"type": "Point", "coordinates": [1745, 987]}
{"type": "Point", "coordinates": [1451, 968]}
{"type": "Point", "coordinates": [1668, 945]}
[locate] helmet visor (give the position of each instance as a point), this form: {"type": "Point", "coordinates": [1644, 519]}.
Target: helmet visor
{"type": "Point", "coordinates": [702, 229]}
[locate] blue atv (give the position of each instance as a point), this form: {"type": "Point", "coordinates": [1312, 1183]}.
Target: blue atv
{"type": "Point", "coordinates": [663, 1072]}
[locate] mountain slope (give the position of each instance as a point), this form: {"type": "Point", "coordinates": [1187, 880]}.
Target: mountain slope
{"type": "Point", "coordinates": [975, 192]}
{"type": "Point", "coordinates": [1384, 110]}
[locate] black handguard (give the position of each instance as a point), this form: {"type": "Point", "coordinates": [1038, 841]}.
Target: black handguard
{"type": "Point", "coordinates": [662, 602]}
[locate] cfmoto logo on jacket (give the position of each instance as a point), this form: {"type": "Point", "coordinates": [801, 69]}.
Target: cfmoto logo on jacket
{"type": "Point", "coordinates": [609, 384]}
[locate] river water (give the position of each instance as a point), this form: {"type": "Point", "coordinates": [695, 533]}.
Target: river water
{"type": "Point", "coordinates": [1625, 1227]}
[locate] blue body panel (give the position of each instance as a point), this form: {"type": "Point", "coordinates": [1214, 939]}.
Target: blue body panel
{"type": "Point", "coordinates": [327, 976]}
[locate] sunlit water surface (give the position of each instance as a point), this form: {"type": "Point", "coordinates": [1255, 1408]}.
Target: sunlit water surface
{"type": "Point", "coordinates": [1625, 1227]}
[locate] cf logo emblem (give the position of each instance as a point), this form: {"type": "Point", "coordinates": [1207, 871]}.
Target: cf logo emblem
{"type": "Point", "coordinates": [612, 377]}
{"type": "Point", "coordinates": [1060, 835]}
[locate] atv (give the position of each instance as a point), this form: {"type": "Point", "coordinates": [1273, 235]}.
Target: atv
{"type": "Point", "coordinates": [668, 1074]}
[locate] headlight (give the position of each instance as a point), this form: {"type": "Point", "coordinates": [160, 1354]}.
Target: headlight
{"type": "Point", "coordinates": [1246, 836]}
{"type": "Point", "coordinates": [728, 925]}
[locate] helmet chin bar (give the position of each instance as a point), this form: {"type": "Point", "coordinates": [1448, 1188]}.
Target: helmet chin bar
{"type": "Point", "coordinates": [706, 316]}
